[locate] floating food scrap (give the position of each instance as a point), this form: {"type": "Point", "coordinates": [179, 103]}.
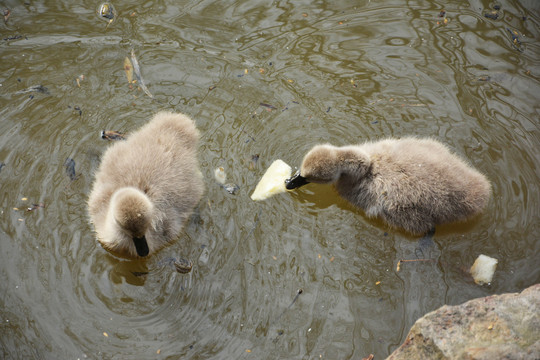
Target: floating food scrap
{"type": "Point", "coordinates": [112, 135]}
{"type": "Point", "coordinates": [273, 181]}
{"type": "Point", "coordinates": [70, 169]}
{"type": "Point", "coordinates": [137, 70]}
{"type": "Point", "coordinates": [220, 175]}
{"type": "Point", "coordinates": [128, 68]}
{"type": "Point", "coordinates": [107, 12]}
{"type": "Point", "coordinates": [79, 79]}
{"type": "Point", "coordinates": [483, 269]}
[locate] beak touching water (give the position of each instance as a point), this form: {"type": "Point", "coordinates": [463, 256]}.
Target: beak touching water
{"type": "Point", "coordinates": [295, 181]}
{"type": "Point", "coordinates": [141, 245]}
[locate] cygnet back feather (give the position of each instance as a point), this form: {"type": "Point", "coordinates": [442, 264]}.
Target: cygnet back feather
{"type": "Point", "coordinates": [147, 187]}
{"type": "Point", "coordinates": [411, 183]}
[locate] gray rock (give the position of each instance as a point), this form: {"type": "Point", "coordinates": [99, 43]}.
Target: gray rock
{"type": "Point", "coordinates": [495, 327]}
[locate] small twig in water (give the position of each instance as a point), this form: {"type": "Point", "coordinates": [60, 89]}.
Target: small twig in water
{"type": "Point", "coordinates": [404, 260]}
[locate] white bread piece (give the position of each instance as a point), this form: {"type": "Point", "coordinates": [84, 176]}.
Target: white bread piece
{"type": "Point", "coordinates": [273, 181]}
{"type": "Point", "coordinates": [483, 269]}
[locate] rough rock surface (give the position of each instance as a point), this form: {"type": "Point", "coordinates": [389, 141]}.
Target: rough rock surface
{"type": "Point", "coordinates": [495, 327]}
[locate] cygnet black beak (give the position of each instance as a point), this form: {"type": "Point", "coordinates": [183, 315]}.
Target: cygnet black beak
{"type": "Point", "coordinates": [295, 181]}
{"type": "Point", "coordinates": [141, 245]}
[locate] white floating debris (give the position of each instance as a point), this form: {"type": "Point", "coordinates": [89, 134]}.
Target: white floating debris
{"type": "Point", "coordinates": [220, 175]}
{"type": "Point", "coordinates": [273, 181]}
{"type": "Point", "coordinates": [483, 269]}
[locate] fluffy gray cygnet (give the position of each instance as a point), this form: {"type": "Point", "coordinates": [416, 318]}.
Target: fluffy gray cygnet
{"type": "Point", "coordinates": [147, 187]}
{"type": "Point", "coordinates": [412, 184]}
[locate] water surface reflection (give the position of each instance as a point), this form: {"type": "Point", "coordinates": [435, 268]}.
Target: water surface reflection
{"type": "Point", "coordinates": [333, 72]}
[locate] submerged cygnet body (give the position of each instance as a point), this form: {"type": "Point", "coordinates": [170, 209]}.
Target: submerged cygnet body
{"type": "Point", "coordinates": [147, 187]}
{"type": "Point", "coordinates": [411, 183]}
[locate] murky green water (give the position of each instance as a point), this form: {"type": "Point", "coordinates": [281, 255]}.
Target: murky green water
{"type": "Point", "coordinates": [339, 72]}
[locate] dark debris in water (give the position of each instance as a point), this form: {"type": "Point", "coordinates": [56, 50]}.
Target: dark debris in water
{"type": "Point", "coordinates": [14, 37]}
{"type": "Point", "coordinates": [76, 108]}
{"type": "Point", "coordinates": [107, 12]}
{"type": "Point", "coordinates": [35, 88]}
{"type": "Point", "coordinates": [36, 206]}
{"type": "Point", "coordinates": [6, 14]}
{"type": "Point", "coordinates": [492, 14]}
{"type": "Point", "coordinates": [231, 188]}
{"type": "Point", "coordinates": [69, 164]}
{"type": "Point", "coordinates": [268, 106]}
{"type": "Point", "coordinates": [2, 165]}
{"type": "Point", "coordinates": [445, 20]}
{"type": "Point", "coordinates": [139, 273]}
{"type": "Point", "coordinates": [516, 42]}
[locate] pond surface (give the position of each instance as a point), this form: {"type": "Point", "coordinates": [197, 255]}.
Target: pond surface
{"type": "Point", "coordinates": [269, 79]}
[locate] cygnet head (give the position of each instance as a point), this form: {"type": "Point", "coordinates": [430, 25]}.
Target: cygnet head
{"type": "Point", "coordinates": [320, 165]}
{"type": "Point", "coordinates": [132, 211]}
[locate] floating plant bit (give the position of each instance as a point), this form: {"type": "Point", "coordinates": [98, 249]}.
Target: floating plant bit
{"type": "Point", "coordinates": [253, 162]}
{"type": "Point", "coordinates": [137, 70]}
{"type": "Point", "coordinates": [128, 68]}
{"type": "Point", "coordinates": [398, 267]}
{"type": "Point", "coordinates": [112, 135]}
